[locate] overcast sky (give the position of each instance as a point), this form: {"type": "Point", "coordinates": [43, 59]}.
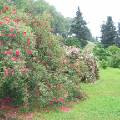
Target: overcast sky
{"type": "Point", "coordinates": [94, 11]}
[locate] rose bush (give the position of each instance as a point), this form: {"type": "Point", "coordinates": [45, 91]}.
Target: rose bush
{"type": "Point", "coordinates": [34, 67]}
{"type": "Point", "coordinates": [31, 59]}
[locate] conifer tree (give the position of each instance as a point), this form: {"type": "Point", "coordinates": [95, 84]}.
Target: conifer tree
{"type": "Point", "coordinates": [109, 33]}
{"type": "Point", "coordinates": [80, 29]}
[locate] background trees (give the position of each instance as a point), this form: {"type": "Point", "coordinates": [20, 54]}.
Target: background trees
{"type": "Point", "coordinates": [109, 33]}
{"type": "Point", "coordinates": [80, 29]}
{"type": "Point", "coordinates": [108, 51]}
{"type": "Point", "coordinates": [117, 42]}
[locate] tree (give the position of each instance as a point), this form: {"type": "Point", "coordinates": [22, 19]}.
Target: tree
{"type": "Point", "coordinates": [117, 42]}
{"type": "Point", "coordinates": [109, 33]}
{"type": "Point", "coordinates": [118, 29]}
{"type": "Point", "coordinates": [80, 29]}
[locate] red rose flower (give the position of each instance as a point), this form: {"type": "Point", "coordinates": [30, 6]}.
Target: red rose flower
{"type": "Point", "coordinates": [9, 52]}
{"type": "Point", "coordinates": [17, 53]}
{"type": "Point", "coordinates": [1, 23]}
{"type": "Point", "coordinates": [24, 34]}
{"type": "Point", "coordinates": [14, 59]}
{"type": "Point", "coordinates": [6, 8]}
{"type": "Point", "coordinates": [11, 29]}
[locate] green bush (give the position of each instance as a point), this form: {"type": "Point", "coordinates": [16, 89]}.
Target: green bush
{"type": "Point", "coordinates": [104, 64]}
{"type": "Point", "coordinates": [72, 41]}
{"type": "Point", "coordinates": [83, 43]}
{"type": "Point", "coordinates": [108, 56]}
{"type": "Point", "coordinates": [114, 59]}
{"type": "Point", "coordinates": [101, 53]}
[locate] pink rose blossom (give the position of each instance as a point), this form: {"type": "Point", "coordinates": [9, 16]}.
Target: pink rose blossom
{"type": "Point", "coordinates": [14, 59]}
{"type": "Point", "coordinates": [17, 53]}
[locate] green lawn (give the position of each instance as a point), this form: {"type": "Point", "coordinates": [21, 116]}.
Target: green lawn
{"type": "Point", "coordinates": [103, 102]}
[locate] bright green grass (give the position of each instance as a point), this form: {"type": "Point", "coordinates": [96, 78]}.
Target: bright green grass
{"type": "Point", "coordinates": [103, 102]}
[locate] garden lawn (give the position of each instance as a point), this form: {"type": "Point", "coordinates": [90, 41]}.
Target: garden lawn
{"type": "Point", "coordinates": [103, 102]}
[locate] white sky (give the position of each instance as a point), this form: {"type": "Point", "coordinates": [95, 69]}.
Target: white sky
{"type": "Point", "coordinates": [94, 11]}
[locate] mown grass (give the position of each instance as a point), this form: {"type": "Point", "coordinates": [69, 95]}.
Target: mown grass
{"type": "Point", "coordinates": [103, 102]}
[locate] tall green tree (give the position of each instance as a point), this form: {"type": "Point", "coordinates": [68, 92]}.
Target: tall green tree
{"type": "Point", "coordinates": [117, 42]}
{"type": "Point", "coordinates": [109, 33]}
{"type": "Point", "coordinates": [80, 29]}
{"type": "Point", "coordinates": [118, 29]}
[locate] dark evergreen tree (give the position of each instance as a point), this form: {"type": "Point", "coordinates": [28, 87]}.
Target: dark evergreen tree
{"type": "Point", "coordinates": [117, 41]}
{"type": "Point", "coordinates": [80, 29]}
{"type": "Point", "coordinates": [109, 33]}
{"type": "Point", "coordinates": [119, 29]}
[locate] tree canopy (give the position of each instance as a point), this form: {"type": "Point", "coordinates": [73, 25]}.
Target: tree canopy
{"type": "Point", "coordinates": [109, 32]}
{"type": "Point", "coordinates": [80, 29]}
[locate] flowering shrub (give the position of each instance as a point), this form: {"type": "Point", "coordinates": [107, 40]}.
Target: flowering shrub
{"type": "Point", "coordinates": [14, 49]}
{"type": "Point", "coordinates": [83, 64]}
{"type": "Point", "coordinates": [34, 68]}
{"type": "Point", "coordinates": [92, 73]}
{"type": "Point", "coordinates": [31, 67]}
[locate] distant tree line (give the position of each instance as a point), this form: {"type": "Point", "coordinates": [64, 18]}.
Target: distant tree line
{"type": "Point", "coordinates": [110, 34]}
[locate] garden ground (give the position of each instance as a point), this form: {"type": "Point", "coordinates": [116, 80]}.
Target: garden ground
{"type": "Point", "coordinates": [103, 102]}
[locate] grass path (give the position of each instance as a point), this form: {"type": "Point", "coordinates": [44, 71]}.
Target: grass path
{"type": "Point", "coordinates": [103, 102]}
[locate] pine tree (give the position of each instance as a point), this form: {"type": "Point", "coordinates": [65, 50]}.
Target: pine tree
{"type": "Point", "coordinates": [109, 33]}
{"type": "Point", "coordinates": [117, 42]}
{"type": "Point", "coordinates": [80, 29]}
{"type": "Point", "coordinates": [119, 29]}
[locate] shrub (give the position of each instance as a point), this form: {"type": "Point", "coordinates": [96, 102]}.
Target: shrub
{"type": "Point", "coordinates": [83, 43]}
{"type": "Point", "coordinates": [114, 59]}
{"type": "Point", "coordinates": [34, 68]}
{"type": "Point", "coordinates": [101, 53]}
{"type": "Point", "coordinates": [108, 56]}
{"type": "Point", "coordinates": [104, 64]}
{"type": "Point", "coordinates": [83, 64]}
{"type": "Point", "coordinates": [92, 73]}
{"type": "Point", "coordinates": [72, 41]}
{"type": "Point", "coordinates": [31, 67]}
